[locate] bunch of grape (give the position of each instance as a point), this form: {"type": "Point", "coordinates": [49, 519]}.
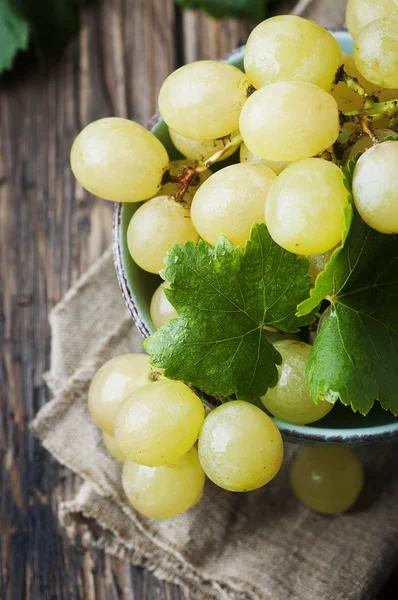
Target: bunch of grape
{"type": "Point", "coordinates": [299, 111]}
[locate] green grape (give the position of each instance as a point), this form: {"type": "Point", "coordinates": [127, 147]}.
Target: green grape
{"type": "Point", "coordinates": [360, 13]}
{"type": "Point", "coordinates": [289, 121]}
{"type": "Point", "coordinates": [304, 211]}
{"type": "Point", "coordinates": [317, 264]}
{"type": "Point", "coordinates": [240, 447]}
{"type": "Point", "coordinates": [176, 168]}
{"type": "Point", "coordinates": [167, 491]}
{"type": "Point", "coordinates": [248, 157]}
{"type": "Point", "coordinates": [375, 187]}
{"type": "Point", "coordinates": [231, 201]}
{"type": "Point", "coordinates": [203, 100]}
{"type": "Point", "coordinates": [154, 229]}
{"type": "Point", "coordinates": [161, 310]}
{"type": "Point", "coordinates": [376, 52]}
{"type": "Point", "coordinates": [290, 48]}
{"type": "Point", "coordinates": [112, 447]}
{"type": "Point", "coordinates": [327, 479]}
{"type": "Point", "coordinates": [201, 150]}
{"type": "Point", "coordinates": [115, 380]}
{"type": "Point", "coordinates": [117, 159]}
{"type": "Point", "coordinates": [158, 423]}
{"type": "Point", "coordinates": [364, 142]}
{"type": "Point", "coordinates": [290, 399]}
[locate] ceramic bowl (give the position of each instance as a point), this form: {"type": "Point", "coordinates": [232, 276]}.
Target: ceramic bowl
{"type": "Point", "coordinates": [341, 426]}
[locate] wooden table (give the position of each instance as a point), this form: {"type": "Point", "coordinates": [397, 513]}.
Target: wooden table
{"type": "Point", "coordinates": [50, 231]}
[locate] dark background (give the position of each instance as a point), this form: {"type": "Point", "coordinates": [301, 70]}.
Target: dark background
{"type": "Point", "coordinates": [50, 232]}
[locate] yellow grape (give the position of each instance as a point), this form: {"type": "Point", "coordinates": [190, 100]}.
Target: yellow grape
{"type": "Point", "coordinates": [375, 187]}
{"type": "Point", "coordinates": [167, 491]}
{"type": "Point", "coordinates": [112, 447]}
{"type": "Point", "coordinates": [376, 52]}
{"type": "Point", "coordinates": [201, 150]}
{"type": "Point", "coordinates": [115, 380]}
{"type": "Point", "coordinates": [154, 229]}
{"type": "Point", "coordinates": [327, 479]}
{"type": "Point", "coordinates": [158, 423]}
{"type": "Point", "coordinates": [364, 142]}
{"type": "Point", "coordinates": [304, 210]}
{"type": "Point", "coordinates": [240, 447]}
{"type": "Point", "coordinates": [203, 100]}
{"type": "Point", "coordinates": [360, 13]}
{"type": "Point", "coordinates": [248, 157]}
{"type": "Point", "coordinates": [176, 168]}
{"type": "Point", "coordinates": [231, 201]}
{"type": "Point", "coordinates": [289, 121]}
{"type": "Point", "coordinates": [317, 264]}
{"type": "Point", "coordinates": [290, 399]}
{"type": "Point", "coordinates": [117, 159]}
{"type": "Point", "coordinates": [290, 48]}
{"type": "Point", "coordinates": [161, 310]}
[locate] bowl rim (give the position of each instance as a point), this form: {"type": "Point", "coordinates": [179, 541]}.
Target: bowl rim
{"type": "Point", "coordinates": [374, 434]}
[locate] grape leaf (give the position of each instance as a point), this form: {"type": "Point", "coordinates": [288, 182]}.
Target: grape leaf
{"type": "Point", "coordinates": [355, 354]}
{"type": "Point", "coordinates": [225, 299]}
{"type": "Point", "coordinates": [250, 9]}
{"type": "Point", "coordinates": [14, 33]}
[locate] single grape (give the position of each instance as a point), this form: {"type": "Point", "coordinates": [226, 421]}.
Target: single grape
{"type": "Point", "coordinates": [248, 157]}
{"type": "Point", "coordinates": [176, 168]}
{"type": "Point", "coordinates": [375, 187]}
{"type": "Point", "coordinates": [290, 48]}
{"type": "Point", "coordinates": [289, 121]}
{"type": "Point", "coordinates": [154, 229]}
{"type": "Point", "coordinates": [115, 380]}
{"type": "Point", "coordinates": [167, 491]}
{"type": "Point", "coordinates": [364, 142]}
{"type": "Point", "coordinates": [203, 100]}
{"type": "Point", "coordinates": [201, 150]}
{"type": "Point", "coordinates": [290, 399]}
{"type": "Point", "coordinates": [157, 424]}
{"type": "Point", "coordinates": [117, 159]}
{"type": "Point", "coordinates": [317, 264]}
{"type": "Point", "coordinates": [360, 13]}
{"type": "Point", "coordinates": [231, 201]}
{"type": "Point", "coordinates": [376, 52]}
{"type": "Point", "coordinates": [327, 479]}
{"type": "Point", "coordinates": [112, 447]}
{"type": "Point", "coordinates": [240, 447]}
{"type": "Point", "coordinates": [161, 310]}
{"type": "Point", "coordinates": [304, 210]}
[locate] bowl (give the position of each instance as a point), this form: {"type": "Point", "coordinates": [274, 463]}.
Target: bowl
{"type": "Point", "coordinates": [341, 425]}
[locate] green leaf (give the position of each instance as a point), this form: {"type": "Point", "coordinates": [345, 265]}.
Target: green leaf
{"type": "Point", "coordinates": [249, 9]}
{"type": "Point", "coordinates": [226, 298]}
{"type": "Point", "coordinates": [14, 33]}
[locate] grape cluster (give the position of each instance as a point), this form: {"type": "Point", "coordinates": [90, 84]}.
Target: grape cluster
{"type": "Point", "coordinates": [299, 112]}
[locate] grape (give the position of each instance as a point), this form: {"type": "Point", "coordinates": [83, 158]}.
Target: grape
{"type": "Point", "coordinates": [112, 447]}
{"type": "Point", "coordinates": [201, 150]}
{"type": "Point", "coordinates": [240, 447]}
{"type": "Point", "coordinates": [290, 399]}
{"type": "Point", "coordinates": [304, 210]}
{"type": "Point", "coordinates": [154, 229]}
{"type": "Point", "coordinates": [317, 264]}
{"type": "Point", "coordinates": [288, 121]}
{"type": "Point", "coordinates": [177, 168]}
{"type": "Point", "coordinates": [231, 201]}
{"type": "Point", "coordinates": [161, 310]}
{"type": "Point", "coordinates": [117, 159]}
{"type": "Point", "coordinates": [167, 491]}
{"type": "Point", "coordinates": [376, 52]}
{"type": "Point", "coordinates": [203, 100]}
{"type": "Point", "coordinates": [158, 423]}
{"type": "Point", "coordinates": [115, 380]}
{"type": "Point", "coordinates": [249, 157]}
{"type": "Point", "coordinates": [375, 187]}
{"type": "Point", "coordinates": [364, 142]}
{"type": "Point", "coordinates": [360, 13]}
{"type": "Point", "coordinates": [290, 48]}
{"type": "Point", "coordinates": [327, 479]}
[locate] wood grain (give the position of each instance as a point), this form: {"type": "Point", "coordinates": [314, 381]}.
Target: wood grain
{"type": "Point", "coordinates": [50, 231]}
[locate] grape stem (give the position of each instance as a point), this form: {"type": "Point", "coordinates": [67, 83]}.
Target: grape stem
{"type": "Point", "coordinates": [353, 84]}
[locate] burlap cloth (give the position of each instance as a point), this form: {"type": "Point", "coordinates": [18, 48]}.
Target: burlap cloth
{"type": "Point", "coordinates": [261, 545]}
